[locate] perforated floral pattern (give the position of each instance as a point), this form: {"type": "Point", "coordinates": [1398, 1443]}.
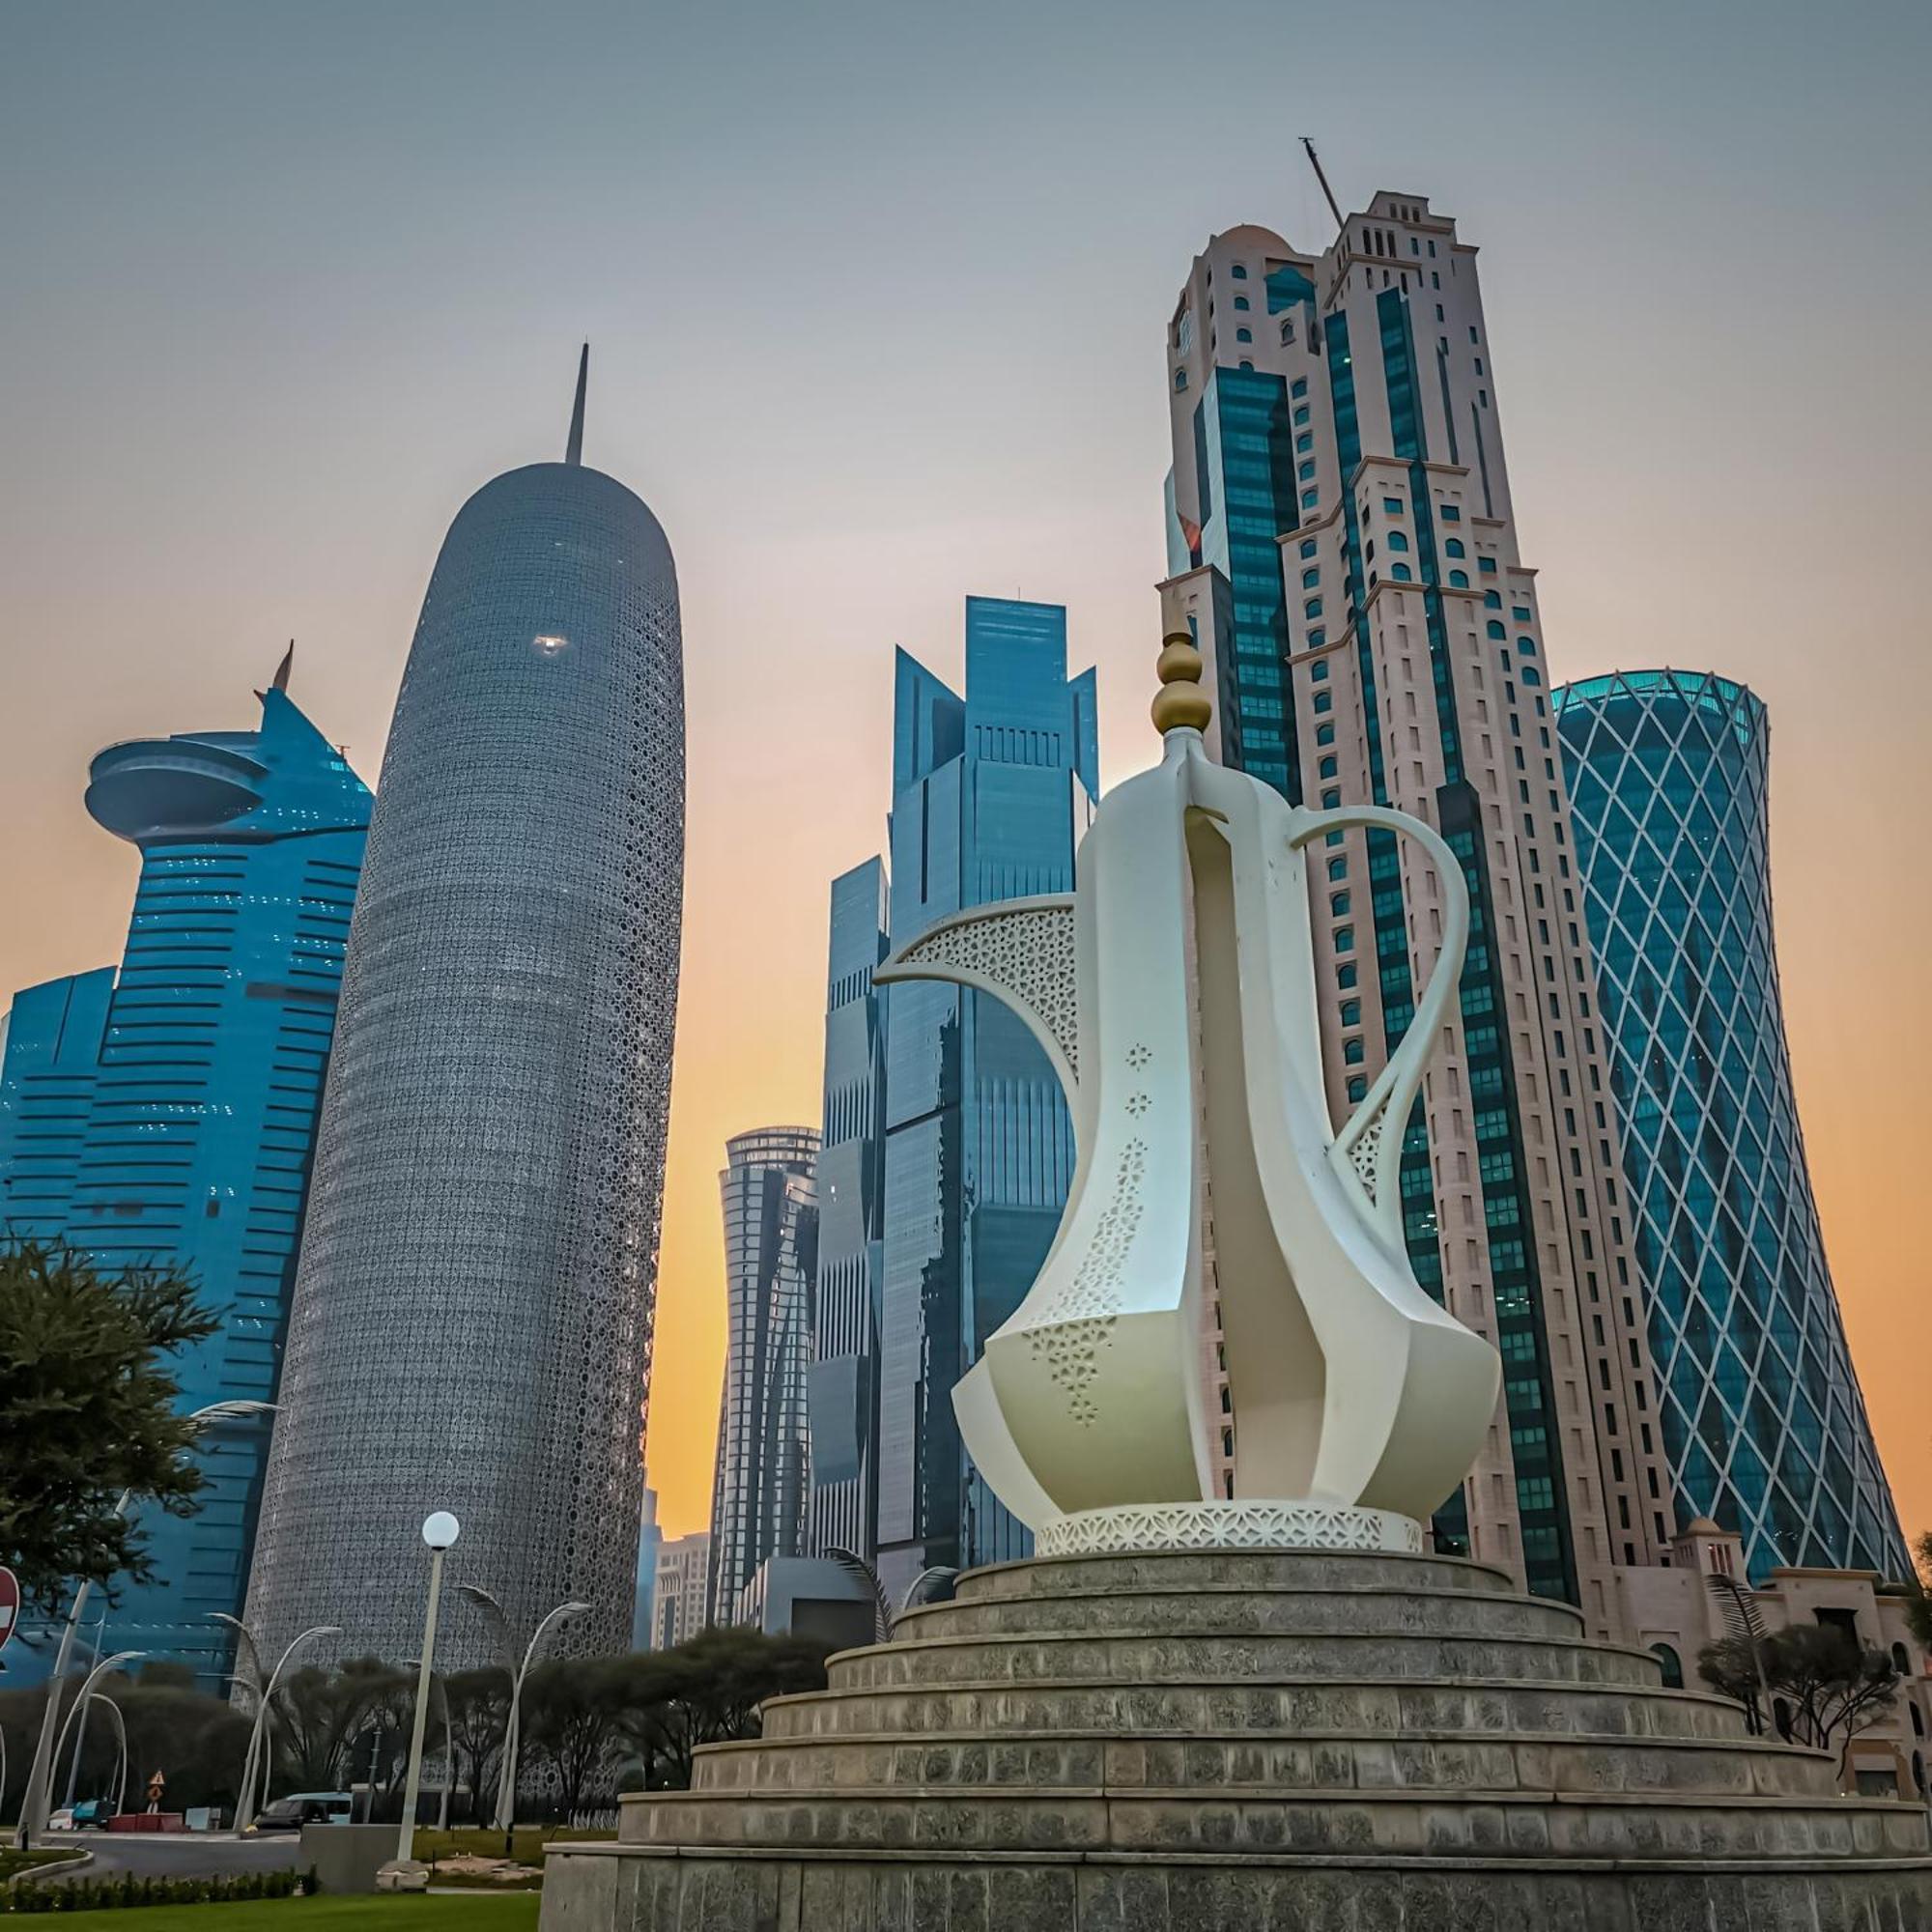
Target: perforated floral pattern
{"type": "Point", "coordinates": [1079, 1324]}
{"type": "Point", "coordinates": [1228, 1526]}
{"type": "Point", "coordinates": [1028, 952]}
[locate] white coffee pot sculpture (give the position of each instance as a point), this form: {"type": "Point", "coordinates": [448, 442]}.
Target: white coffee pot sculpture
{"type": "Point", "coordinates": [1174, 993]}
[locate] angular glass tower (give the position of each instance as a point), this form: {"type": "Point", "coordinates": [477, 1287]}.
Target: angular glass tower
{"type": "Point", "coordinates": [771, 1245]}
{"type": "Point", "coordinates": [990, 794]}
{"type": "Point", "coordinates": [1764, 1425]}
{"type": "Point", "coordinates": [473, 1315]}
{"type": "Point", "coordinates": [169, 1117]}
{"type": "Point", "coordinates": [841, 1386]}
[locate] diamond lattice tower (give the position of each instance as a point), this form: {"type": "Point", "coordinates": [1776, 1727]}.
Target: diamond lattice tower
{"type": "Point", "coordinates": [1764, 1425]}
{"type": "Point", "coordinates": [473, 1315]}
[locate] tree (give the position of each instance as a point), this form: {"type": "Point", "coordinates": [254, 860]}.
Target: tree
{"type": "Point", "coordinates": [87, 1412]}
{"type": "Point", "coordinates": [479, 1703]}
{"type": "Point", "coordinates": [1824, 1686]}
{"type": "Point", "coordinates": [571, 1709]}
{"type": "Point", "coordinates": [318, 1715]}
{"type": "Point", "coordinates": [708, 1691]}
{"type": "Point", "coordinates": [1918, 1604]}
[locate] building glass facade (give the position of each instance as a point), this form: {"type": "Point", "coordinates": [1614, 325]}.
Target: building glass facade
{"type": "Point", "coordinates": [1353, 434]}
{"type": "Point", "coordinates": [990, 793]}
{"type": "Point", "coordinates": [842, 1380]}
{"type": "Point", "coordinates": [771, 1253]}
{"type": "Point", "coordinates": [473, 1311]}
{"type": "Point", "coordinates": [167, 1116]}
{"type": "Point", "coordinates": [1763, 1421]}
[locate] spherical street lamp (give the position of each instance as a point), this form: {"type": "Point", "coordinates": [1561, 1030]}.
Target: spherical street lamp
{"type": "Point", "coordinates": [440, 1531]}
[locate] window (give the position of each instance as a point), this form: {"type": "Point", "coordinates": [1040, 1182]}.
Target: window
{"type": "Point", "coordinates": [1287, 332]}
{"type": "Point", "coordinates": [1495, 628]}
{"type": "Point", "coordinates": [1317, 672]}
{"type": "Point", "coordinates": [1492, 600]}
{"type": "Point", "coordinates": [1317, 637]}
{"type": "Point", "coordinates": [1311, 579]}
{"type": "Point", "coordinates": [1330, 800]}
{"type": "Point", "coordinates": [1245, 363]}
{"type": "Point", "coordinates": [1526, 646]}
{"type": "Point", "coordinates": [1400, 573]}
{"type": "Point", "coordinates": [1345, 973]}
{"type": "Point", "coordinates": [1301, 415]}
{"type": "Point", "coordinates": [1486, 565]}
{"type": "Point", "coordinates": [1451, 514]}
{"type": "Point", "coordinates": [1338, 905]}
{"type": "Point", "coordinates": [1324, 700]}
{"type": "Point", "coordinates": [1530, 675]}
{"type": "Point", "coordinates": [1473, 336]}
{"type": "Point", "coordinates": [1327, 768]}
{"type": "Point", "coordinates": [1240, 301]}
{"type": "Point", "coordinates": [1244, 334]}
{"type": "Point", "coordinates": [1237, 273]}
{"type": "Point", "coordinates": [1338, 868]}
{"type": "Point", "coordinates": [1310, 498]}
{"type": "Point", "coordinates": [1353, 1052]}
{"type": "Point", "coordinates": [1309, 546]}
{"type": "Point", "coordinates": [1304, 442]}
{"type": "Point", "coordinates": [1324, 734]}
{"type": "Point", "coordinates": [1458, 580]}
{"type": "Point", "coordinates": [1673, 1666]}
{"type": "Point", "coordinates": [1358, 1087]}
{"type": "Point", "coordinates": [1397, 539]}
{"type": "Point", "coordinates": [1299, 388]}
{"type": "Point", "coordinates": [1454, 548]}
{"type": "Point", "coordinates": [1344, 939]}
{"type": "Point", "coordinates": [1305, 471]}
{"type": "Point", "coordinates": [1521, 615]}
{"type": "Point", "coordinates": [1311, 606]}
{"type": "Point", "coordinates": [1181, 378]}
{"type": "Point", "coordinates": [1393, 505]}
{"type": "Point", "coordinates": [1351, 1013]}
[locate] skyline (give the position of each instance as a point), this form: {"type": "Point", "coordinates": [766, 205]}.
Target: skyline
{"type": "Point", "coordinates": [266, 443]}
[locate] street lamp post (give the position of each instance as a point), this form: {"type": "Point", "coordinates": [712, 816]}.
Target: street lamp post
{"type": "Point", "coordinates": [500, 1624]}
{"type": "Point", "coordinates": [35, 1798]}
{"type": "Point", "coordinates": [254, 1764]}
{"type": "Point", "coordinates": [403, 1874]}
{"type": "Point", "coordinates": [77, 1718]}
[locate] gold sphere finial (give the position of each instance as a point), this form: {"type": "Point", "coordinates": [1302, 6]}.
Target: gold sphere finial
{"type": "Point", "coordinates": [1178, 701]}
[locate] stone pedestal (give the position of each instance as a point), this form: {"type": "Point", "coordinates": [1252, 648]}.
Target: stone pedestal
{"type": "Point", "coordinates": [1218, 1740]}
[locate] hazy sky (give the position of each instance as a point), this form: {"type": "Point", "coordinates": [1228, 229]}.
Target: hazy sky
{"type": "Point", "coordinates": [876, 295]}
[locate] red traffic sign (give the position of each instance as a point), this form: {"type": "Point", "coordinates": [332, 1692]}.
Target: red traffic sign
{"type": "Point", "coordinates": [9, 1606]}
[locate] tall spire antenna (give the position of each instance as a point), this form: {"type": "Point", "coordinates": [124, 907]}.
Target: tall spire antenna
{"type": "Point", "coordinates": [282, 670]}
{"type": "Point", "coordinates": [573, 450]}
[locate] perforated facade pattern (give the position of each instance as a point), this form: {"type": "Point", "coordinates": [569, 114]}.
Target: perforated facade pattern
{"type": "Point", "coordinates": [1764, 1425]}
{"type": "Point", "coordinates": [473, 1308]}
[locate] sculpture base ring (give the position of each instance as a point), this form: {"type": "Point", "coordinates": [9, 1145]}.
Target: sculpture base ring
{"type": "Point", "coordinates": [1256, 1525]}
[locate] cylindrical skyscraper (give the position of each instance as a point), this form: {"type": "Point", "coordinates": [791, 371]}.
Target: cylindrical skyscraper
{"type": "Point", "coordinates": [472, 1314]}
{"type": "Point", "coordinates": [1764, 1427]}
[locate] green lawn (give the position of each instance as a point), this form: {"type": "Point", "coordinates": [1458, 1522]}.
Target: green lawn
{"type": "Point", "coordinates": [517, 1913]}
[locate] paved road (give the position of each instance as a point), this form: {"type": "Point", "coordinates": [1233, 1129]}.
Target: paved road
{"type": "Point", "coordinates": [175, 1853]}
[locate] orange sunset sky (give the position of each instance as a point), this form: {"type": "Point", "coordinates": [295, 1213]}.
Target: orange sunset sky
{"type": "Point", "coordinates": [876, 302]}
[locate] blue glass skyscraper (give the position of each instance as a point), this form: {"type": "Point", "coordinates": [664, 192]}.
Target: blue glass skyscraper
{"type": "Point", "coordinates": [841, 1384]}
{"type": "Point", "coordinates": [1764, 1425]}
{"type": "Point", "coordinates": [168, 1117]}
{"type": "Point", "coordinates": [990, 792]}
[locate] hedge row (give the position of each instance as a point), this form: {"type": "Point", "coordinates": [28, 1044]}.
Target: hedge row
{"type": "Point", "coordinates": [92, 1894]}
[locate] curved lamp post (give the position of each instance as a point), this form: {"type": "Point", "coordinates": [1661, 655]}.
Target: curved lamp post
{"type": "Point", "coordinates": [254, 1768]}
{"type": "Point", "coordinates": [77, 1718]}
{"type": "Point", "coordinates": [108, 1704]}
{"type": "Point", "coordinates": [439, 1531]}
{"type": "Point", "coordinates": [500, 1627]}
{"type": "Point", "coordinates": [38, 1795]}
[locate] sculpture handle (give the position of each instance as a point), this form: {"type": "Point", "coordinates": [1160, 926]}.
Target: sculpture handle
{"type": "Point", "coordinates": [1368, 1150]}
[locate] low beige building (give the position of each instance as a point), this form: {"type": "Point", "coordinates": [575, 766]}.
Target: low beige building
{"type": "Point", "coordinates": [1676, 1610]}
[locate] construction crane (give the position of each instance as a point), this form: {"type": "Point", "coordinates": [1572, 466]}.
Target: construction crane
{"type": "Point", "coordinates": [1315, 161]}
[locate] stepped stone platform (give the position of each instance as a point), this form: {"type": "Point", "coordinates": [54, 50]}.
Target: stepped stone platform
{"type": "Point", "coordinates": [1241, 1741]}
